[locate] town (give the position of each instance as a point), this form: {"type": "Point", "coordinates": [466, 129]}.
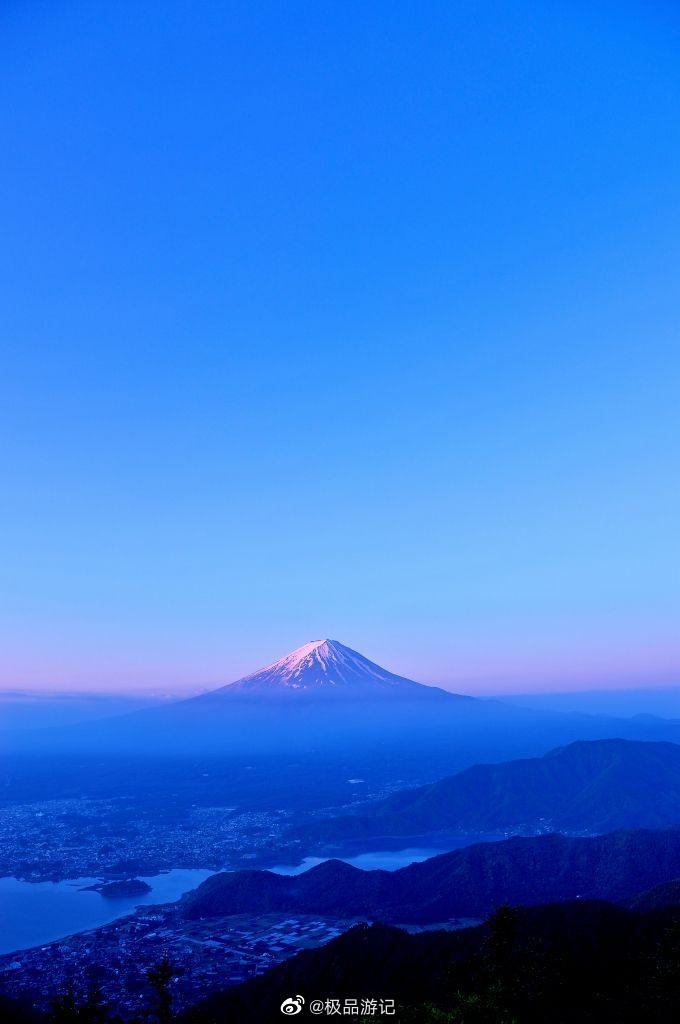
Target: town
{"type": "Point", "coordinates": [205, 956]}
{"type": "Point", "coordinates": [76, 838]}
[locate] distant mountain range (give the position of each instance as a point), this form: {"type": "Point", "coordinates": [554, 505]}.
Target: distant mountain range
{"type": "Point", "coordinates": [468, 883]}
{"type": "Point", "coordinates": [593, 786]}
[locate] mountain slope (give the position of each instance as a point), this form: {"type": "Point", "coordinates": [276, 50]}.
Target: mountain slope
{"type": "Point", "coordinates": [465, 883]}
{"type": "Point", "coordinates": [322, 668]}
{"type": "Point", "coordinates": [574, 962]}
{"type": "Point", "coordinates": [325, 696]}
{"type": "Point", "coordinates": [328, 702]}
{"type": "Point", "coordinates": [593, 786]}
{"type": "Point", "coordinates": [320, 697]}
{"type": "Point", "coordinates": [666, 894]}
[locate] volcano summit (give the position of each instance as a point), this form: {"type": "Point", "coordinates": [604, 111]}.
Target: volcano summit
{"type": "Point", "coordinates": [321, 667]}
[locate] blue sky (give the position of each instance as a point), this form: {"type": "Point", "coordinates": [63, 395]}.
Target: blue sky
{"type": "Point", "coordinates": [334, 319]}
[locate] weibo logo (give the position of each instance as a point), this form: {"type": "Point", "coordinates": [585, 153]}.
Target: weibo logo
{"type": "Point", "coordinates": [292, 1005]}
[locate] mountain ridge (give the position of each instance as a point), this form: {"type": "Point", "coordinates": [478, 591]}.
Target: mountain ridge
{"type": "Point", "coordinates": [588, 785]}
{"type": "Point", "coordinates": [469, 882]}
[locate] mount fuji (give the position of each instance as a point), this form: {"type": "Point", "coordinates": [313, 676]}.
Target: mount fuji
{"type": "Point", "coordinates": [325, 668]}
{"type": "Point", "coordinates": [319, 697]}
{"type": "Point", "coordinates": [324, 697]}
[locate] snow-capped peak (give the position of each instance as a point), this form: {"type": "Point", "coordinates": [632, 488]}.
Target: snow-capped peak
{"type": "Point", "coordinates": [322, 665]}
{"type": "Point", "coordinates": [320, 651]}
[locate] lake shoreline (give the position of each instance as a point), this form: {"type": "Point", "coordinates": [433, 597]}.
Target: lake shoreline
{"type": "Point", "coordinates": [81, 906]}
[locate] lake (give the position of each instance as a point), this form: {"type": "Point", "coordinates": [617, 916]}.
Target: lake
{"type": "Point", "coordinates": [34, 913]}
{"type": "Point", "coordinates": [391, 856]}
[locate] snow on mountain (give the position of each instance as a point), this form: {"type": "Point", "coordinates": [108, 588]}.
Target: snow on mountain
{"type": "Point", "coordinates": [322, 666]}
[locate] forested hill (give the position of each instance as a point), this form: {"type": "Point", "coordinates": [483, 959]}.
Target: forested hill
{"type": "Point", "coordinates": [593, 786]}
{"type": "Point", "coordinates": [470, 882]}
{"type": "Point", "coordinates": [576, 962]}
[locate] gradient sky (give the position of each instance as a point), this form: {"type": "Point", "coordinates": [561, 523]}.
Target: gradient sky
{"type": "Point", "coordinates": [338, 319]}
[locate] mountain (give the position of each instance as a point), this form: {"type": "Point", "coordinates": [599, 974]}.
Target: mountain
{"type": "Point", "coordinates": [321, 697]}
{"type": "Point", "coordinates": [469, 882]}
{"type": "Point", "coordinates": [323, 668]}
{"type": "Point", "coordinates": [585, 962]}
{"type": "Point", "coordinates": [593, 786]}
{"type": "Point", "coordinates": [346, 715]}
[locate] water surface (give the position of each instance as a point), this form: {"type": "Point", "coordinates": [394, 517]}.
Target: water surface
{"type": "Point", "coordinates": [34, 913]}
{"type": "Point", "coordinates": [390, 859]}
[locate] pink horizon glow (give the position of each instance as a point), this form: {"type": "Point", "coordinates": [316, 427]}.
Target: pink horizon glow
{"type": "Point", "coordinates": [481, 676]}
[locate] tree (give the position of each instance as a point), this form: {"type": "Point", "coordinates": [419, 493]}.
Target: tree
{"type": "Point", "coordinates": [159, 978]}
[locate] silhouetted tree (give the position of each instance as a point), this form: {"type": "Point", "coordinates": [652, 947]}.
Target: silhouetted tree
{"type": "Point", "coordinates": [69, 1009]}
{"type": "Point", "coordinates": [159, 978]}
